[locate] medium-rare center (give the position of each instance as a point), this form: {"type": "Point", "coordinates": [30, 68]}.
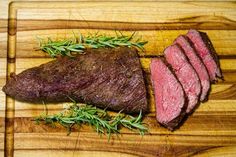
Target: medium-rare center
{"type": "Point", "coordinates": [185, 73]}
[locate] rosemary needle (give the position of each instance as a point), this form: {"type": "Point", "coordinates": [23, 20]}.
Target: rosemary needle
{"type": "Point", "coordinates": [97, 118]}
{"type": "Point", "coordinates": [77, 45]}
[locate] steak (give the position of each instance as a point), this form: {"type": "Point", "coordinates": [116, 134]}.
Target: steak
{"type": "Point", "coordinates": [169, 95]}
{"type": "Point", "coordinates": [185, 74]}
{"type": "Point", "coordinates": [206, 52]}
{"type": "Point", "coordinates": [107, 78]}
{"type": "Point", "coordinates": [197, 64]}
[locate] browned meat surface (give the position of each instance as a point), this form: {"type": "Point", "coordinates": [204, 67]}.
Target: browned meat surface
{"type": "Point", "coordinates": [107, 78]}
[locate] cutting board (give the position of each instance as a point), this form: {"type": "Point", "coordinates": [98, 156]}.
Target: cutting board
{"type": "Point", "coordinates": [209, 131]}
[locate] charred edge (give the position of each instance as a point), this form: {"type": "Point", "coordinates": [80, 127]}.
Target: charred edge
{"type": "Point", "coordinates": [191, 66]}
{"type": "Point", "coordinates": [177, 122]}
{"type": "Point", "coordinates": [194, 49]}
{"type": "Point", "coordinates": [173, 72]}
{"type": "Point", "coordinates": [209, 45]}
{"type": "Point", "coordinates": [182, 50]}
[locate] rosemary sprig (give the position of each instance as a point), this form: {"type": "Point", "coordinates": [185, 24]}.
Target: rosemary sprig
{"type": "Point", "coordinates": [97, 118]}
{"type": "Point", "coordinates": [77, 45]}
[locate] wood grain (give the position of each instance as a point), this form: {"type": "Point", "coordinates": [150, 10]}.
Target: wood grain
{"type": "Point", "coordinates": [2, 104]}
{"type": "Point", "coordinates": [224, 41]}
{"type": "Point", "coordinates": [208, 15]}
{"type": "Point", "coordinates": [223, 127]}
{"type": "Point", "coordinates": [149, 145]}
{"type": "Point", "coordinates": [224, 115]}
{"type": "Point", "coordinates": [210, 131]}
{"type": "Point", "coordinates": [224, 90]}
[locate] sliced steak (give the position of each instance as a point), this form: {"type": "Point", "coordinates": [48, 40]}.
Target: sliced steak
{"type": "Point", "coordinates": [185, 74]}
{"type": "Point", "coordinates": [206, 52]}
{"type": "Point", "coordinates": [107, 78]}
{"type": "Point", "coordinates": [169, 95]}
{"type": "Point", "coordinates": [197, 64]}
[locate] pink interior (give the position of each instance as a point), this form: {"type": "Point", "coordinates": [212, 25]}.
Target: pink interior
{"type": "Point", "coordinates": [169, 96]}
{"type": "Point", "coordinates": [185, 74]}
{"type": "Point", "coordinates": [197, 64]}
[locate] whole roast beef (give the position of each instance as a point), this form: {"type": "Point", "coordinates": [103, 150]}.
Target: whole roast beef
{"type": "Point", "coordinates": [107, 78]}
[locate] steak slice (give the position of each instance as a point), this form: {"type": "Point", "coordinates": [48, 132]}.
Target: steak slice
{"type": "Point", "coordinates": [107, 78]}
{"type": "Point", "coordinates": [206, 52]}
{"type": "Point", "coordinates": [169, 95]}
{"type": "Point", "coordinates": [197, 64]}
{"type": "Point", "coordinates": [185, 74]}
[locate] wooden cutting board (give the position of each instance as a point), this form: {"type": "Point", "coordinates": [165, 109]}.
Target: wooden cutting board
{"type": "Point", "coordinates": [209, 131]}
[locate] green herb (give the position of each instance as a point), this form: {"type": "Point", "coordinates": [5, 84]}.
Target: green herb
{"type": "Point", "coordinates": [99, 119]}
{"type": "Point", "coordinates": [77, 45]}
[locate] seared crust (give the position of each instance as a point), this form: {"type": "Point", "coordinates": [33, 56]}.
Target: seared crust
{"type": "Point", "coordinates": [210, 46]}
{"type": "Point", "coordinates": [206, 51]}
{"type": "Point", "coordinates": [107, 78]}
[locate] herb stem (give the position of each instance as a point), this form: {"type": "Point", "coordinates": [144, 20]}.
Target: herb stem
{"type": "Point", "coordinates": [77, 45]}
{"type": "Point", "coordinates": [97, 118]}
